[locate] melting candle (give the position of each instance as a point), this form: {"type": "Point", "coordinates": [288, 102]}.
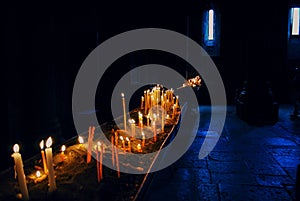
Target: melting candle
{"type": "Point", "coordinates": [20, 172]}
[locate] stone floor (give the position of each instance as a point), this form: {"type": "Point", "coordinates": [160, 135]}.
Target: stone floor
{"type": "Point", "coordinates": [248, 163]}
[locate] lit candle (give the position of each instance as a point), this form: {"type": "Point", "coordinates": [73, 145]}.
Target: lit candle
{"type": "Point", "coordinates": [43, 157]}
{"type": "Point", "coordinates": [62, 154]}
{"type": "Point", "coordinates": [51, 177]}
{"type": "Point", "coordinates": [142, 102]}
{"type": "Point", "coordinates": [132, 125]}
{"type": "Point", "coordinates": [143, 139]}
{"type": "Point", "coordinates": [81, 141]}
{"type": "Point", "coordinates": [112, 151]}
{"type": "Point", "coordinates": [128, 142]}
{"type": "Point", "coordinates": [140, 119]}
{"type": "Point", "coordinates": [20, 172]}
{"type": "Point", "coordinates": [90, 144]}
{"type": "Point", "coordinates": [163, 121]}
{"type": "Point", "coordinates": [123, 142]}
{"type": "Point", "coordinates": [124, 110]}
{"type": "Point", "coordinates": [146, 100]}
{"type": "Point", "coordinates": [177, 97]}
{"type": "Point", "coordinates": [139, 148]}
{"type": "Point", "coordinates": [39, 177]}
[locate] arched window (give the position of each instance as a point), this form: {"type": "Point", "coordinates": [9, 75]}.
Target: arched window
{"type": "Point", "coordinates": [295, 21]}
{"type": "Point", "coordinates": [211, 31]}
{"type": "Point", "coordinates": [211, 25]}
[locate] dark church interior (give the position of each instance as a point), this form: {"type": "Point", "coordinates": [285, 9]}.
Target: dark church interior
{"type": "Point", "coordinates": [255, 46]}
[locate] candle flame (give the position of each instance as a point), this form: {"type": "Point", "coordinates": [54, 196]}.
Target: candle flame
{"type": "Point", "coordinates": [122, 94]}
{"type": "Point", "coordinates": [49, 142]}
{"type": "Point", "coordinates": [63, 148]}
{"type": "Point", "coordinates": [121, 138]}
{"type": "Point", "coordinates": [131, 121]}
{"type": "Point", "coordinates": [127, 139]}
{"type": "Point", "coordinates": [42, 144]}
{"type": "Point", "coordinates": [143, 134]}
{"type": "Point", "coordinates": [16, 148]}
{"type": "Point", "coordinates": [38, 174]}
{"type": "Point", "coordinates": [139, 146]}
{"type": "Point", "coordinates": [80, 140]}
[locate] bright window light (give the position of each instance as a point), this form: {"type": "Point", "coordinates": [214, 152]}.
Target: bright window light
{"type": "Point", "coordinates": [211, 24]}
{"type": "Point", "coordinates": [295, 21]}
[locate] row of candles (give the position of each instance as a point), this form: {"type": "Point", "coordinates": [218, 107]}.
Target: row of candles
{"type": "Point", "coordinates": [156, 96]}
{"type": "Point", "coordinates": [148, 100]}
{"type": "Point", "coordinates": [48, 168]}
{"type": "Point", "coordinates": [47, 159]}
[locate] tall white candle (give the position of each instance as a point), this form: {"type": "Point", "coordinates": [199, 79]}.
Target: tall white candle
{"type": "Point", "coordinates": [20, 172]}
{"type": "Point", "coordinates": [52, 183]}
{"type": "Point", "coordinates": [163, 120]}
{"type": "Point", "coordinates": [124, 110]}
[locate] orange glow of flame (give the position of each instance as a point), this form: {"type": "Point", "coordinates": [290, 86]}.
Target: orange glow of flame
{"type": "Point", "coordinates": [121, 138]}
{"type": "Point", "coordinates": [139, 146]}
{"type": "Point", "coordinates": [80, 140]}
{"type": "Point", "coordinates": [16, 148]}
{"type": "Point", "coordinates": [38, 174]}
{"type": "Point", "coordinates": [42, 144]}
{"type": "Point", "coordinates": [49, 142]}
{"type": "Point", "coordinates": [131, 121]}
{"type": "Point", "coordinates": [127, 139]}
{"type": "Point", "coordinates": [63, 148]}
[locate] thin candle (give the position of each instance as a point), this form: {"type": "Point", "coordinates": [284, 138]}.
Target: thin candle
{"type": "Point", "coordinates": [143, 139]}
{"type": "Point", "coordinates": [123, 142]}
{"type": "Point", "coordinates": [117, 161]}
{"type": "Point", "coordinates": [51, 177]}
{"type": "Point", "coordinates": [62, 154]}
{"type": "Point", "coordinates": [43, 157]}
{"type": "Point", "coordinates": [142, 102]}
{"type": "Point", "coordinates": [132, 126]}
{"type": "Point", "coordinates": [116, 138]}
{"type": "Point", "coordinates": [90, 143]}
{"type": "Point", "coordinates": [112, 151]}
{"type": "Point", "coordinates": [148, 120]}
{"type": "Point", "coordinates": [124, 110]}
{"type": "Point", "coordinates": [99, 160]}
{"type": "Point", "coordinates": [129, 145]}
{"type": "Point", "coordinates": [139, 148]}
{"type": "Point", "coordinates": [20, 172]}
{"type": "Point", "coordinates": [154, 131]}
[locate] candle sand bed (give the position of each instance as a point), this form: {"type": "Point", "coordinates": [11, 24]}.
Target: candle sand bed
{"type": "Point", "coordinates": [77, 180]}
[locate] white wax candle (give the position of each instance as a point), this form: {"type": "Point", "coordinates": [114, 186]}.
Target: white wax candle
{"type": "Point", "coordinates": [124, 110]}
{"type": "Point", "coordinates": [20, 172]}
{"type": "Point", "coordinates": [52, 183]}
